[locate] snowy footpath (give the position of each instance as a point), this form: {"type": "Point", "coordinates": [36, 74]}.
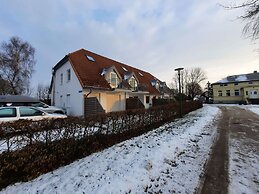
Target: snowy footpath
{"type": "Point", "coordinates": [244, 154]}
{"type": "Point", "coordinates": [169, 159]}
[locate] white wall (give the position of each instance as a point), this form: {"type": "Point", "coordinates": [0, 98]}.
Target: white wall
{"type": "Point", "coordinates": [68, 95]}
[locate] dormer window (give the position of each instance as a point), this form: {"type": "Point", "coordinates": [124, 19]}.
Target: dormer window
{"type": "Point", "coordinates": [104, 71]}
{"type": "Point", "coordinates": [153, 82]}
{"type": "Point", "coordinates": [157, 85]}
{"type": "Point", "coordinates": [113, 80]}
{"type": "Point", "coordinates": [133, 83]}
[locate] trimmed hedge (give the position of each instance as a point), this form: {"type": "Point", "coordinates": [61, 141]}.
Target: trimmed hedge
{"type": "Point", "coordinates": [43, 146]}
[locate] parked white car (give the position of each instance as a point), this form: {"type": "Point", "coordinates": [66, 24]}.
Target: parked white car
{"type": "Point", "coordinates": [19, 100]}
{"type": "Point", "coordinates": [48, 109]}
{"type": "Point", "coordinates": [25, 112]}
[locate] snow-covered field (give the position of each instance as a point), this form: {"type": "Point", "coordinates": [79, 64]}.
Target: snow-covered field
{"type": "Point", "coordinates": [169, 159]}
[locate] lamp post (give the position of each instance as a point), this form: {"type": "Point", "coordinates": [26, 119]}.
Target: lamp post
{"type": "Point", "coordinates": [208, 97]}
{"type": "Point", "coordinates": [180, 93]}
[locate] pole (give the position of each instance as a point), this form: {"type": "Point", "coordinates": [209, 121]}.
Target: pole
{"type": "Point", "coordinates": [180, 93]}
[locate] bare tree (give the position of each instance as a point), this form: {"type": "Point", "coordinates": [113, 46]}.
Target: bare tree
{"type": "Point", "coordinates": [251, 16]}
{"type": "Point", "coordinates": [43, 92]}
{"type": "Point", "coordinates": [195, 77]}
{"type": "Point", "coordinates": [17, 64]}
{"type": "Point", "coordinates": [4, 87]}
{"type": "Point", "coordinates": [193, 89]}
{"type": "Point", "coordinates": [191, 80]}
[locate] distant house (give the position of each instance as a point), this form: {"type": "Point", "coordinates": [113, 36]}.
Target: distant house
{"type": "Point", "coordinates": [237, 88]}
{"type": "Point", "coordinates": [86, 83]}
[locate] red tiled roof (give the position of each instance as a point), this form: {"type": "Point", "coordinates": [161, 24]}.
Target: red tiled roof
{"type": "Point", "coordinates": [89, 72]}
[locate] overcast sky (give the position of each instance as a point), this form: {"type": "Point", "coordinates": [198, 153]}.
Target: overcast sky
{"type": "Point", "coordinates": [154, 35]}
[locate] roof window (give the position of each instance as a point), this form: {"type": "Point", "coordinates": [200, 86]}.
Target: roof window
{"type": "Point", "coordinates": [124, 68]}
{"type": "Point", "coordinates": [90, 58]}
{"type": "Point", "coordinates": [140, 74]}
{"type": "Point", "coordinates": [153, 82]}
{"type": "Point", "coordinates": [104, 71]}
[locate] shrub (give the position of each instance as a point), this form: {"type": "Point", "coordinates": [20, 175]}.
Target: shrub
{"type": "Point", "coordinates": [42, 146]}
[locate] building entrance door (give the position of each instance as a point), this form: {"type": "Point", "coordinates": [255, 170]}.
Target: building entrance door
{"type": "Point", "coordinates": [253, 94]}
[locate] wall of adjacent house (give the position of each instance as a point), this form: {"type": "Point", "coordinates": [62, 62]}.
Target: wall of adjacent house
{"type": "Point", "coordinates": [251, 92]}
{"type": "Point", "coordinates": [242, 87]}
{"type": "Point", "coordinates": [143, 98]}
{"type": "Point", "coordinates": [68, 94]}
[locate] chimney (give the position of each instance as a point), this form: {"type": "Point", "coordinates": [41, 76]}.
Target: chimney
{"type": "Point", "coordinates": [255, 71]}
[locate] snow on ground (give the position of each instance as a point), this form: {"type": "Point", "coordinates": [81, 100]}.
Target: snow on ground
{"type": "Point", "coordinates": [243, 168]}
{"type": "Point", "coordinates": [253, 108]}
{"type": "Point", "coordinates": [169, 159]}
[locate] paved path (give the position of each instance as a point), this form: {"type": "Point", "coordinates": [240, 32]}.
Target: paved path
{"type": "Point", "coordinates": [239, 125]}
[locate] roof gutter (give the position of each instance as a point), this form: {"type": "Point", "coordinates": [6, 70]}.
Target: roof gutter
{"type": "Point", "coordinates": [89, 93]}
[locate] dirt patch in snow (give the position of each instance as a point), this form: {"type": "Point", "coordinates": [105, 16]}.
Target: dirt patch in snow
{"type": "Point", "coordinates": [233, 166]}
{"type": "Point", "coordinates": [216, 174]}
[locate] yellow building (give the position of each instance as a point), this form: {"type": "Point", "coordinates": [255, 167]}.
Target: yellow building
{"type": "Point", "coordinates": [242, 88]}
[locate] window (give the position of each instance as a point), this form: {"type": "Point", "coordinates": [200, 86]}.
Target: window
{"type": "Point", "coordinates": [247, 93]}
{"type": "Point", "coordinates": [250, 82]}
{"type": "Point", "coordinates": [113, 79]}
{"type": "Point", "coordinates": [221, 85]}
{"type": "Point", "coordinates": [133, 83]}
{"type": "Point", "coordinates": [68, 100]}
{"type": "Point", "coordinates": [124, 68]}
{"type": "Point", "coordinates": [90, 58]}
{"type": "Point", "coordinates": [255, 92]}
{"type": "Point", "coordinates": [220, 93]}
{"type": "Point", "coordinates": [147, 99]}
{"type": "Point", "coordinates": [236, 92]}
{"type": "Point", "coordinates": [61, 78]}
{"type": "Point", "coordinates": [157, 85]}
{"type": "Point", "coordinates": [68, 75]}
{"type": "Point", "coordinates": [62, 104]}
{"type": "Point", "coordinates": [153, 82]}
{"type": "Point", "coordinates": [7, 112]}
{"type": "Point", "coordinates": [227, 92]}
{"type": "Point", "coordinates": [235, 84]}
{"type": "Point", "coordinates": [225, 84]}
{"type": "Point", "coordinates": [28, 112]}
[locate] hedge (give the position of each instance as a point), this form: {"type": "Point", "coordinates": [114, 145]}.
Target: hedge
{"type": "Point", "coordinates": [37, 147]}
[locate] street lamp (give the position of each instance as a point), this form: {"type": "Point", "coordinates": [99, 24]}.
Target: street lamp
{"type": "Point", "coordinates": [180, 94]}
